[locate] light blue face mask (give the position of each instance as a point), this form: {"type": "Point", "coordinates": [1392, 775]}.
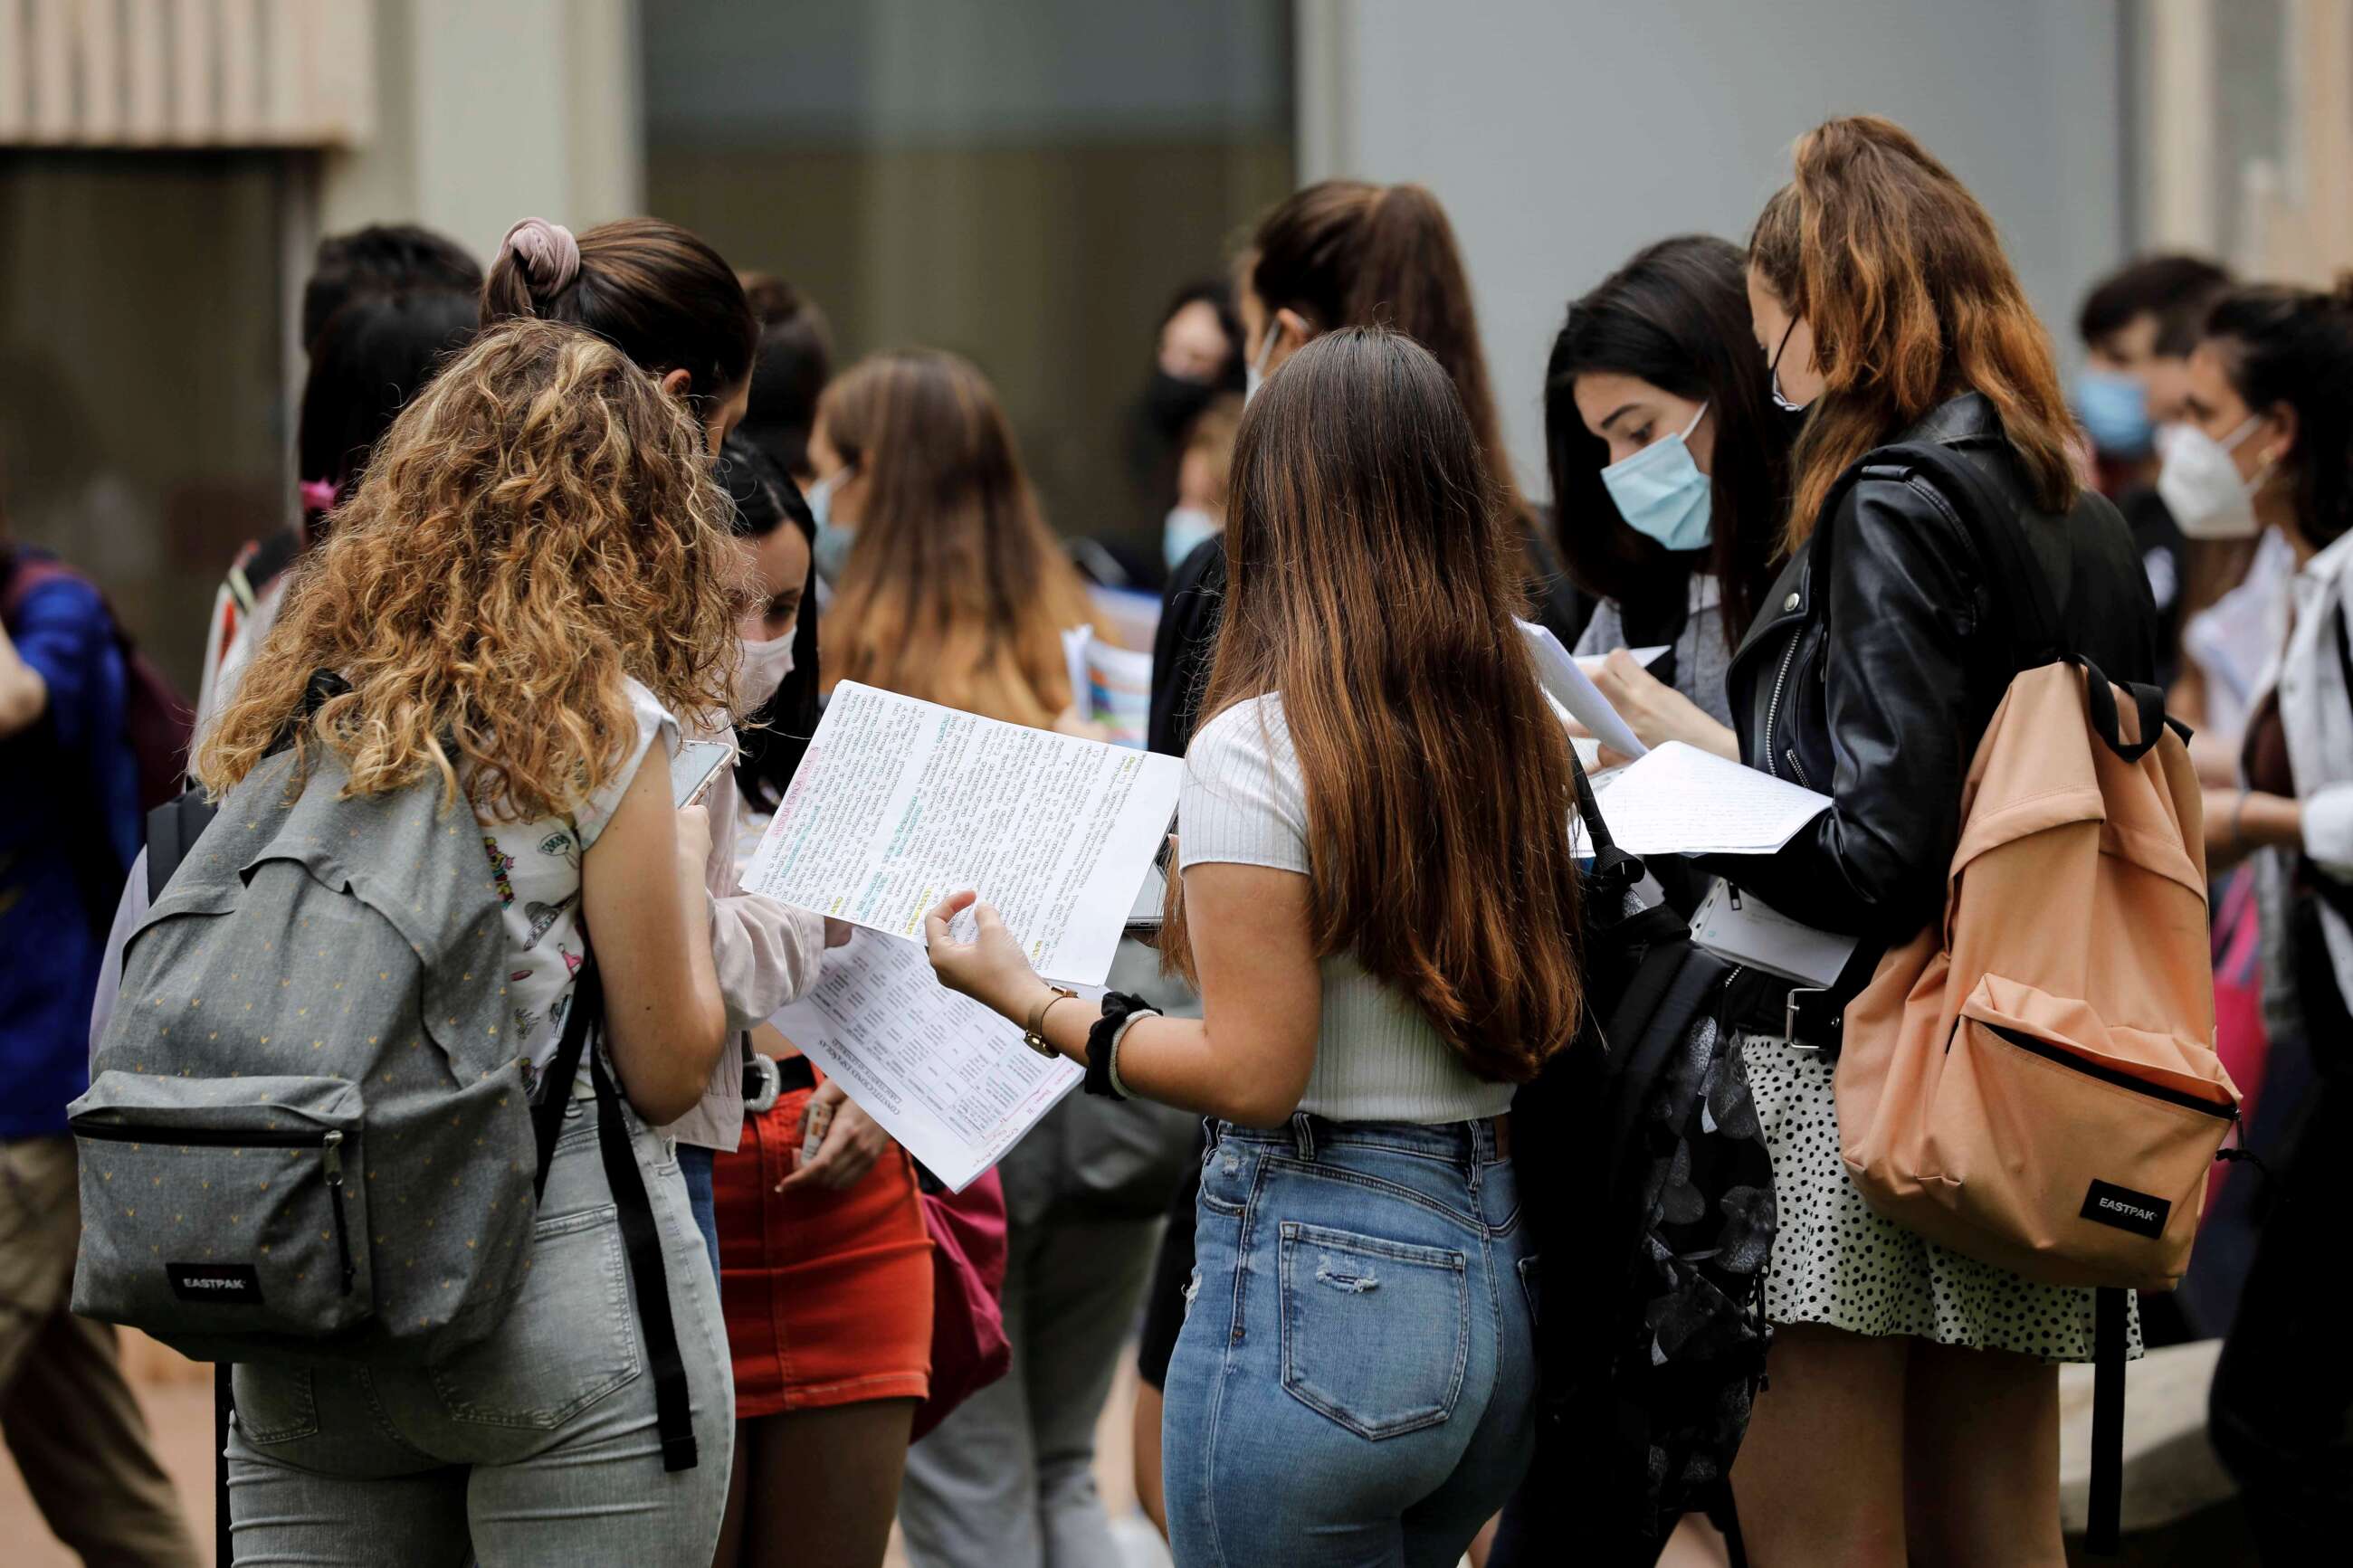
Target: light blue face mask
{"type": "Point", "coordinates": [2113, 407]}
{"type": "Point", "coordinates": [831, 549]}
{"type": "Point", "coordinates": [1661, 493]}
{"type": "Point", "coordinates": [1187, 527]}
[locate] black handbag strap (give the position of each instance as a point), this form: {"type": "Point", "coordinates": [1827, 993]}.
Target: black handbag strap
{"type": "Point", "coordinates": [648, 1276]}
{"type": "Point", "coordinates": [586, 1012]}
{"type": "Point", "coordinates": [1614, 870]}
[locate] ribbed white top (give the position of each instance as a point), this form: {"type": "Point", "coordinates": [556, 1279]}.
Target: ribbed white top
{"type": "Point", "coordinates": [1377, 1057]}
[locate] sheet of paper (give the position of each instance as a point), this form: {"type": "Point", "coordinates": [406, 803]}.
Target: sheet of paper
{"type": "Point", "coordinates": [1681, 800]}
{"type": "Point", "coordinates": [1112, 685]}
{"type": "Point", "coordinates": [1744, 928]}
{"type": "Point", "coordinates": [1591, 663]}
{"type": "Point", "coordinates": [1573, 689]}
{"type": "Point", "coordinates": [900, 803]}
{"type": "Point", "coordinates": [945, 1075]}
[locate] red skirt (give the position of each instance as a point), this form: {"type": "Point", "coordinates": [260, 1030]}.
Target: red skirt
{"type": "Point", "coordinates": [828, 1295]}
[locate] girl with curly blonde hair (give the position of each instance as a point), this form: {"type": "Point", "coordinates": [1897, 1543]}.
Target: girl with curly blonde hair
{"type": "Point", "coordinates": [532, 579]}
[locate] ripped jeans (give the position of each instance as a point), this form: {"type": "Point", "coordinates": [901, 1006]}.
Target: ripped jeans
{"type": "Point", "coordinates": [1355, 1381]}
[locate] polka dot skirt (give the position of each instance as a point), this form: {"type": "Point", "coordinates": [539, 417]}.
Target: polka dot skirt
{"type": "Point", "coordinates": [1837, 1263]}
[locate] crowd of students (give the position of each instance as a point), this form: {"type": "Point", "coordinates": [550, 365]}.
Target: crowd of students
{"type": "Point", "coordinates": [609, 495]}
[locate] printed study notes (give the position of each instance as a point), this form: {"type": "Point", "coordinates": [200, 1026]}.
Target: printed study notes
{"type": "Point", "coordinates": [900, 803]}
{"type": "Point", "coordinates": [945, 1075]}
{"type": "Point", "coordinates": [1681, 800]}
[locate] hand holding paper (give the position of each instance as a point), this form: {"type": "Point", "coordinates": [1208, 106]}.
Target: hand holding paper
{"type": "Point", "coordinates": [1573, 689]}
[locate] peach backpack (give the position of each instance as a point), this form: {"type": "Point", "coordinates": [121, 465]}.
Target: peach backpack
{"type": "Point", "coordinates": [2032, 1081]}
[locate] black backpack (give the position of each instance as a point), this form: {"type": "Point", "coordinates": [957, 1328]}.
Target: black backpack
{"type": "Point", "coordinates": [1651, 1193]}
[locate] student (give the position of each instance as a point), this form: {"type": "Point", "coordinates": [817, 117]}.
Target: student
{"type": "Point", "coordinates": [2270, 402]}
{"type": "Point", "coordinates": [541, 457]}
{"type": "Point", "coordinates": [1378, 900]}
{"type": "Point", "coordinates": [1670, 470]}
{"type": "Point", "coordinates": [1197, 363]}
{"type": "Point", "coordinates": [367, 359]}
{"type": "Point", "coordinates": [1345, 253]}
{"type": "Point", "coordinates": [827, 1266]}
{"type": "Point", "coordinates": [790, 370]}
{"type": "Point", "coordinates": [433, 280]}
{"type": "Point", "coordinates": [663, 296]}
{"type": "Point", "coordinates": [2137, 326]}
{"type": "Point", "coordinates": [68, 820]}
{"type": "Point", "coordinates": [1913, 1400]}
{"type": "Point", "coordinates": [956, 592]}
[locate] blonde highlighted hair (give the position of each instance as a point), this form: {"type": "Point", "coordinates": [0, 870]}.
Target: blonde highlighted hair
{"type": "Point", "coordinates": [539, 523]}
{"type": "Point", "coordinates": [956, 591]}
{"type": "Point", "coordinates": [1912, 300]}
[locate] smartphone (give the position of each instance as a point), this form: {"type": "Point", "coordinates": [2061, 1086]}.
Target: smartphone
{"type": "Point", "coordinates": [693, 770]}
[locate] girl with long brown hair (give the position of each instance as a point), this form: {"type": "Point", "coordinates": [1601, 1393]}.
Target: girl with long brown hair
{"type": "Point", "coordinates": [953, 590]}
{"type": "Point", "coordinates": [1913, 1407]}
{"type": "Point", "coordinates": [1378, 902]}
{"type": "Point", "coordinates": [530, 585]}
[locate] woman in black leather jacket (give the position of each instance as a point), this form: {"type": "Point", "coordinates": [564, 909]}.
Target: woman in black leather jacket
{"type": "Point", "coordinates": [1913, 1407]}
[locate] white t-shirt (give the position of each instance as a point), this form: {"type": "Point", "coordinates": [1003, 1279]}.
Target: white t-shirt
{"type": "Point", "coordinates": [536, 867]}
{"type": "Point", "coordinates": [1376, 1057]}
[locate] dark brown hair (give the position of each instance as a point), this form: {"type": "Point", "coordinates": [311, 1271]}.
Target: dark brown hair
{"type": "Point", "coordinates": [793, 362]}
{"type": "Point", "coordinates": [1347, 253]}
{"type": "Point", "coordinates": [2281, 345]}
{"type": "Point", "coordinates": [1902, 276]}
{"type": "Point", "coordinates": [1675, 315]}
{"type": "Point", "coordinates": [1373, 578]}
{"type": "Point", "coordinates": [652, 289]}
{"type": "Point", "coordinates": [955, 591]}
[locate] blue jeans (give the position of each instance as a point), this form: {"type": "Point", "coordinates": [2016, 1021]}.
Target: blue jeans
{"type": "Point", "coordinates": [534, 1448]}
{"type": "Point", "coordinates": [695, 1163]}
{"type": "Point", "coordinates": [1355, 1381]}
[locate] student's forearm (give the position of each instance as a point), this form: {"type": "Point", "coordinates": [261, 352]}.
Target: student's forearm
{"type": "Point", "coordinates": [1179, 1062]}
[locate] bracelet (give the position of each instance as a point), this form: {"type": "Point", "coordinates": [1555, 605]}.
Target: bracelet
{"type": "Point", "coordinates": [1120, 1012]}
{"type": "Point", "coordinates": [1034, 1036]}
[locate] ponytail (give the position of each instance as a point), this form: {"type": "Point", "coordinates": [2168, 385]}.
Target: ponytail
{"type": "Point", "coordinates": [655, 291]}
{"type": "Point", "coordinates": [1347, 253]}
{"type": "Point", "coordinates": [2295, 346]}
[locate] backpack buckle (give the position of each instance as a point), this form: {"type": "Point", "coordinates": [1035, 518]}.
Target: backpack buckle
{"type": "Point", "coordinates": [1789, 1015]}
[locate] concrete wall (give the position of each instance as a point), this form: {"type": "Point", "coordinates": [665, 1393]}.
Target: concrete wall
{"type": "Point", "coordinates": [1563, 136]}
{"type": "Point", "coordinates": [491, 111]}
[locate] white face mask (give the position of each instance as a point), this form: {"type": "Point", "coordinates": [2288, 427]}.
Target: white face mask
{"type": "Point", "coordinates": [1255, 376]}
{"type": "Point", "coordinates": [765, 666]}
{"type": "Point", "coordinates": [2201, 485]}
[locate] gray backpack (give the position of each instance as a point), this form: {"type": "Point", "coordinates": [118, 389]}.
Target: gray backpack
{"type": "Point", "coordinates": [309, 1132]}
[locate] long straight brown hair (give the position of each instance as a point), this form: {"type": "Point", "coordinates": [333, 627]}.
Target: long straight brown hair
{"type": "Point", "coordinates": [956, 592]}
{"type": "Point", "coordinates": [1912, 300]}
{"type": "Point", "coordinates": [1374, 576]}
{"type": "Point", "coordinates": [1349, 253]}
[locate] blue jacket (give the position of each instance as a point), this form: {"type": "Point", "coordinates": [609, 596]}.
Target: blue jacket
{"type": "Point", "coordinates": [69, 827]}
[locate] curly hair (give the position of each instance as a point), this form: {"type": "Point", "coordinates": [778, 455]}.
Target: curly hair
{"type": "Point", "coordinates": [539, 523]}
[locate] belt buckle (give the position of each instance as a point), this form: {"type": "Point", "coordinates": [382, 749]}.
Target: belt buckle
{"type": "Point", "coordinates": [1789, 1015]}
{"type": "Point", "coordinates": [770, 1083]}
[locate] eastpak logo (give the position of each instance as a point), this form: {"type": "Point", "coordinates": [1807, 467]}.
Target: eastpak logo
{"type": "Point", "coordinates": [216, 1284]}
{"type": "Point", "coordinates": [2121, 1208]}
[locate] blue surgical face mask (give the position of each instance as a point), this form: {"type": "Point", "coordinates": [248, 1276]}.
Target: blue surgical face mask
{"type": "Point", "coordinates": [831, 546]}
{"type": "Point", "coordinates": [2113, 407]}
{"type": "Point", "coordinates": [1187, 527]}
{"type": "Point", "coordinates": [1661, 493]}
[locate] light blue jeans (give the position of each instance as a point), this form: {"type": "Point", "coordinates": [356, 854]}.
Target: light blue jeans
{"type": "Point", "coordinates": [1355, 1382]}
{"type": "Point", "coordinates": [536, 1446]}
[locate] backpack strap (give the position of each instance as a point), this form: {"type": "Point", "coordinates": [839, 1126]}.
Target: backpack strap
{"type": "Point", "coordinates": [642, 1239]}
{"type": "Point", "coordinates": [1990, 518]}
{"type": "Point", "coordinates": [2104, 1527]}
{"type": "Point", "coordinates": [1614, 870]}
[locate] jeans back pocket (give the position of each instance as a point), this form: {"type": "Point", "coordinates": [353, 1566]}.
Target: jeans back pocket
{"type": "Point", "coordinates": [1376, 1334]}
{"type": "Point", "coordinates": [569, 1339]}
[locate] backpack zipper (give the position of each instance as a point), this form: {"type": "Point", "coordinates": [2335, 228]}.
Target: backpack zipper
{"type": "Point", "coordinates": [330, 1144]}
{"type": "Point", "coordinates": [2048, 1052]}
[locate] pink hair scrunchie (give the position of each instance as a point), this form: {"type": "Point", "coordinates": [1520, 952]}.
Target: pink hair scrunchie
{"type": "Point", "coordinates": [549, 255]}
